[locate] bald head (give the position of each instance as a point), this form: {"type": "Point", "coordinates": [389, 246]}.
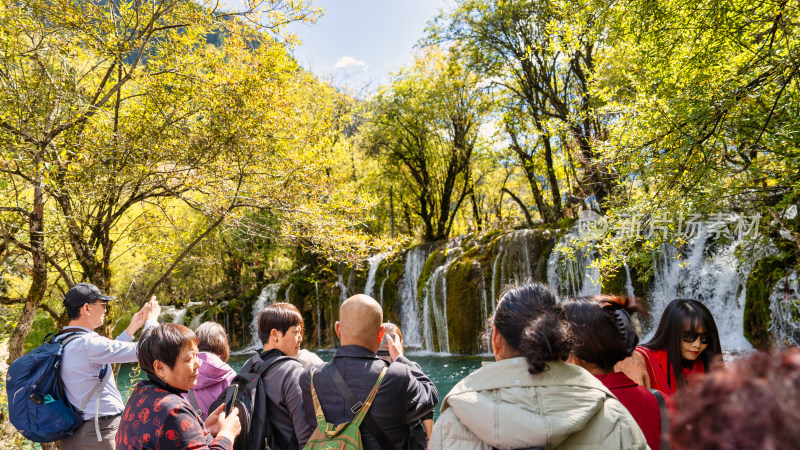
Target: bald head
{"type": "Point", "coordinates": [360, 322]}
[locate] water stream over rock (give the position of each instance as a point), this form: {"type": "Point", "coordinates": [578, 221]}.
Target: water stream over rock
{"type": "Point", "coordinates": [442, 293]}
{"type": "Point", "coordinates": [268, 296]}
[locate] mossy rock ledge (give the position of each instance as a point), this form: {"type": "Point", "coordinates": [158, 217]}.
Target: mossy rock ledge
{"type": "Point", "coordinates": [766, 273]}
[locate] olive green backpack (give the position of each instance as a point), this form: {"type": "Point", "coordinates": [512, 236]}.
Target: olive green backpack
{"type": "Point", "coordinates": [347, 435]}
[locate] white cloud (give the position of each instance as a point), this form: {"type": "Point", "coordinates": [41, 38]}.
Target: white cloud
{"type": "Point", "coordinates": [346, 61]}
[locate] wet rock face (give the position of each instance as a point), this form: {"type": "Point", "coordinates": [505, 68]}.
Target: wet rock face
{"type": "Point", "coordinates": [441, 294]}
{"type": "Point", "coordinates": [466, 309]}
{"type": "Point", "coordinates": [772, 305]}
{"type": "Point", "coordinates": [461, 281]}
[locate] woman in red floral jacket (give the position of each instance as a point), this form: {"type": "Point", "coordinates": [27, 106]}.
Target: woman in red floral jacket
{"type": "Point", "coordinates": [157, 416]}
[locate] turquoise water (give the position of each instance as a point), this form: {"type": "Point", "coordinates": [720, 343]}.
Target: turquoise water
{"type": "Point", "coordinates": [444, 370]}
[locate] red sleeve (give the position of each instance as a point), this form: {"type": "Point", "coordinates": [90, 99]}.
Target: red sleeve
{"type": "Point", "coordinates": [182, 429]}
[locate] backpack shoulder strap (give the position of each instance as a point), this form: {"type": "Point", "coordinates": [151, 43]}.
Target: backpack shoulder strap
{"type": "Point", "coordinates": [662, 407]}
{"type": "Point", "coordinates": [321, 423]}
{"type": "Point", "coordinates": [260, 368]}
{"type": "Point", "coordinates": [193, 402]}
{"type": "Point", "coordinates": [70, 334]}
{"type": "Point", "coordinates": [362, 413]}
{"type": "Point", "coordinates": [65, 336]}
{"type": "Point", "coordinates": [357, 406]}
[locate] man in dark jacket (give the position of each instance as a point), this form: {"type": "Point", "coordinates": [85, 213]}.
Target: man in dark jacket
{"type": "Point", "coordinates": [405, 395]}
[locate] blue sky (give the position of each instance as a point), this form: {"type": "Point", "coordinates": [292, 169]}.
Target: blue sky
{"type": "Point", "coordinates": [356, 43]}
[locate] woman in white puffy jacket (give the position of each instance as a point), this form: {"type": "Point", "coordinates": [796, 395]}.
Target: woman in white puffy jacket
{"type": "Point", "coordinates": [529, 397]}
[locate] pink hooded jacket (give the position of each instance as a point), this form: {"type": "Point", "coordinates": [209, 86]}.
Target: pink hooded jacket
{"type": "Point", "coordinates": [213, 377]}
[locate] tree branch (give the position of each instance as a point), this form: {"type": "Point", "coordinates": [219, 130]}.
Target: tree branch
{"type": "Point", "coordinates": [521, 206]}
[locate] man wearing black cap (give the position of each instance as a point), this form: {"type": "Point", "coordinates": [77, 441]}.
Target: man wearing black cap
{"type": "Point", "coordinates": [88, 380]}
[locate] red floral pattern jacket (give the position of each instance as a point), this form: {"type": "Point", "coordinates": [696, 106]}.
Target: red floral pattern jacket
{"type": "Point", "coordinates": [158, 419]}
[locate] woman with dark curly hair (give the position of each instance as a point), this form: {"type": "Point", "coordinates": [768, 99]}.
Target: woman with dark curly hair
{"type": "Point", "coordinates": [529, 397]}
{"type": "Point", "coordinates": [157, 416]}
{"type": "Point", "coordinates": [685, 343]}
{"type": "Point", "coordinates": [603, 334]}
{"type": "Point", "coordinates": [751, 403]}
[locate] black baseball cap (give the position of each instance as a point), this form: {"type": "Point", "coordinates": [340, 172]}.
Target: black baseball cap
{"type": "Point", "coordinates": [82, 293]}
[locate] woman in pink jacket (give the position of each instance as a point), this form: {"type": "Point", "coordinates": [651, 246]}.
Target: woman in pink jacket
{"type": "Point", "coordinates": [215, 374]}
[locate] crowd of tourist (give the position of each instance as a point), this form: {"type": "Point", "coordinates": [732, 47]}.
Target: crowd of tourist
{"type": "Point", "coordinates": [568, 373]}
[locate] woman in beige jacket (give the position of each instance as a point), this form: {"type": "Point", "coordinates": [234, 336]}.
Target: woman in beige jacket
{"type": "Point", "coordinates": [529, 398]}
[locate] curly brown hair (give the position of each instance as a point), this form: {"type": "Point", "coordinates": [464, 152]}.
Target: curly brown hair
{"type": "Point", "coordinates": [751, 403]}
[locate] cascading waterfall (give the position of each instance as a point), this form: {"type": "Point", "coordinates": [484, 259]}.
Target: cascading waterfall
{"type": "Point", "coordinates": [629, 283]}
{"type": "Point", "coordinates": [715, 277]}
{"type": "Point", "coordinates": [196, 321]}
{"type": "Point", "coordinates": [784, 305]}
{"type": "Point", "coordinates": [374, 262]}
{"type": "Point", "coordinates": [409, 309]}
{"type": "Point", "coordinates": [434, 309]}
{"type": "Point", "coordinates": [494, 272]}
{"type": "Point", "coordinates": [485, 309]}
{"type": "Point", "coordinates": [571, 272]}
{"type": "Point", "coordinates": [515, 261]}
{"type": "Point", "coordinates": [342, 290]}
{"type": "Point", "coordinates": [268, 296]}
{"type": "Point", "coordinates": [177, 314]}
{"type": "Point", "coordinates": [288, 291]}
{"type": "Point", "coordinates": [383, 283]}
{"type": "Point", "coordinates": [707, 268]}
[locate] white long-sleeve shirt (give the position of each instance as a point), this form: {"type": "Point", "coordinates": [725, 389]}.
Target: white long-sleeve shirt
{"type": "Point", "coordinates": [81, 363]}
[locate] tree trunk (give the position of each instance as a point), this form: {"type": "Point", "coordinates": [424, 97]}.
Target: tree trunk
{"type": "Point", "coordinates": [521, 207]}
{"type": "Point", "coordinates": [38, 287]}
{"type": "Point", "coordinates": [528, 165]}
{"type": "Point", "coordinates": [476, 212]}
{"type": "Point", "coordinates": [551, 176]}
{"type": "Point", "coordinates": [391, 211]}
{"type": "Point", "coordinates": [426, 215]}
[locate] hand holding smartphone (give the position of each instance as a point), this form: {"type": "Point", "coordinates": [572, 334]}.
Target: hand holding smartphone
{"type": "Point", "coordinates": [230, 398]}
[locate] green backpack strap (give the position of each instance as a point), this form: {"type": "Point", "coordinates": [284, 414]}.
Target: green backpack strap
{"type": "Point", "coordinates": [363, 411]}
{"type": "Point", "coordinates": [321, 423]}
{"type": "Point", "coordinates": [346, 435]}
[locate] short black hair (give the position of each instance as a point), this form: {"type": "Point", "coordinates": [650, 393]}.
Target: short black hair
{"type": "Point", "coordinates": [74, 313]}
{"type": "Point", "coordinates": [278, 316]}
{"type": "Point", "coordinates": [163, 343]}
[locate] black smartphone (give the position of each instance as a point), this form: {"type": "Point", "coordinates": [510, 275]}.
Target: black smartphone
{"type": "Point", "coordinates": [230, 398]}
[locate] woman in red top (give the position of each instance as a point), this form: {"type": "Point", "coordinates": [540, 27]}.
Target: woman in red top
{"type": "Point", "coordinates": [603, 334]}
{"type": "Point", "coordinates": [686, 339]}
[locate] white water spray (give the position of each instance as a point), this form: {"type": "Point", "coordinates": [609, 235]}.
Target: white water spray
{"type": "Point", "coordinates": [268, 296]}
{"type": "Point", "coordinates": [784, 305]}
{"type": "Point", "coordinates": [409, 306]}
{"type": "Point", "coordinates": [374, 261]}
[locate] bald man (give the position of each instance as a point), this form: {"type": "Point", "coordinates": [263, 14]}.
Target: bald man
{"type": "Point", "coordinates": [405, 394]}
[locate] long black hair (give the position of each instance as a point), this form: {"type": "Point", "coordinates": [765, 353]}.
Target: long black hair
{"type": "Point", "coordinates": [678, 314]}
{"type": "Point", "coordinates": [532, 322]}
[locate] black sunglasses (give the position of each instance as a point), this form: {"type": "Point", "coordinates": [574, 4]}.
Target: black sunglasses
{"type": "Point", "coordinates": [691, 336]}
